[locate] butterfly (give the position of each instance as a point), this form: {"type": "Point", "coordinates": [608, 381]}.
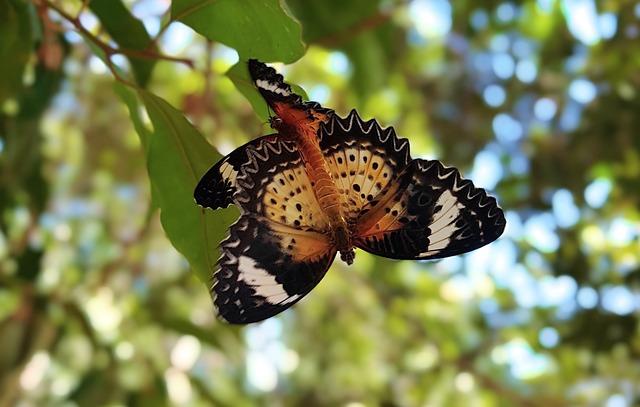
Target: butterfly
{"type": "Point", "coordinates": [324, 185]}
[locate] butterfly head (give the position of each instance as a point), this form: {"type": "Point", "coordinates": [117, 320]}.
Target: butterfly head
{"type": "Point", "coordinates": [275, 122]}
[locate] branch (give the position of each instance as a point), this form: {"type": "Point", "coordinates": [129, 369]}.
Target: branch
{"type": "Point", "coordinates": [361, 26]}
{"type": "Point", "coordinates": [108, 50]}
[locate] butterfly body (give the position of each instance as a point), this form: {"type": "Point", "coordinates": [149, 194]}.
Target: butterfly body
{"type": "Point", "coordinates": [300, 122]}
{"type": "Point", "coordinates": [302, 130]}
{"type": "Point", "coordinates": [323, 185]}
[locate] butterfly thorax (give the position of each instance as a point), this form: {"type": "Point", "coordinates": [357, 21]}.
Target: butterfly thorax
{"type": "Point", "coordinates": [302, 125]}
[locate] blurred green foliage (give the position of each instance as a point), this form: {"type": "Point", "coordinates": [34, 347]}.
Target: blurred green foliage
{"type": "Point", "coordinates": [535, 100]}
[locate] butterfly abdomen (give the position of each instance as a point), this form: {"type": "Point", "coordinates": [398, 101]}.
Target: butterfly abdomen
{"type": "Point", "coordinates": [328, 197]}
{"type": "Point", "coordinates": [323, 185]}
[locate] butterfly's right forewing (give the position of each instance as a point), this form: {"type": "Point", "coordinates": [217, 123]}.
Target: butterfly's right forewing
{"type": "Point", "coordinates": [430, 213]}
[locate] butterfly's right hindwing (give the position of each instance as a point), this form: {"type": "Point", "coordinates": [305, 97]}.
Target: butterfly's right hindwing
{"type": "Point", "coordinates": [430, 213]}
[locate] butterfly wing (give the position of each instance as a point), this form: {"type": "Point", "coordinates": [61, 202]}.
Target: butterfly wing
{"type": "Point", "coordinates": [363, 159]}
{"type": "Point", "coordinates": [431, 212]}
{"type": "Point", "coordinates": [267, 267]}
{"type": "Point", "coordinates": [280, 247]}
{"type": "Point", "coordinates": [271, 84]}
{"type": "Point", "coordinates": [217, 186]}
{"type": "Point", "coordinates": [402, 208]}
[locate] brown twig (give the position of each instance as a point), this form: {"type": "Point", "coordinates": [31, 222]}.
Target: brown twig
{"type": "Point", "coordinates": [107, 49]}
{"type": "Point", "coordinates": [361, 26]}
{"type": "Point", "coordinates": [147, 54]}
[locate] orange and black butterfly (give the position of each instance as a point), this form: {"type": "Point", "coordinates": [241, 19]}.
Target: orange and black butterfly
{"type": "Point", "coordinates": [325, 185]}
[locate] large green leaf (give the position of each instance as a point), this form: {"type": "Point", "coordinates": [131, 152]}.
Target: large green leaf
{"type": "Point", "coordinates": [128, 32]}
{"type": "Point", "coordinates": [256, 29]}
{"type": "Point", "coordinates": [15, 45]}
{"type": "Point", "coordinates": [177, 157]}
{"type": "Point", "coordinates": [130, 99]}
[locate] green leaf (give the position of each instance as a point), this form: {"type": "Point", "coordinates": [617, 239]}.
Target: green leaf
{"type": "Point", "coordinates": [177, 157]}
{"type": "Point", "coordinates": [259, 29]}
{"type": "Point", "coordinates": [15, 45]}
{"type": "Point", "coordinates": [239, 75]}
{"type": "Point", "coordinates": [321, 22]}
{"type": "Point", "coordinates": [360, 30]}
{"type": "Point", "coordinates": [128, 32]}
{"type": "Point", "coordinates": [130, 99]}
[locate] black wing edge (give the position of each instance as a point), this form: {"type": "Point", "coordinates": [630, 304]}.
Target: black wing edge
{"type": "Point", "coordinates": [217, 187]}
{"type": "Point", "coordinates": [271, 84]}
{"type": "Point", "coordinates": [339, 130]}
{"type": "Point", "coordinates": [482, 218]}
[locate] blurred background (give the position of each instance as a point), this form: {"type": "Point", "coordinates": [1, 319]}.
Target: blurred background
{"type": "Point", "coordinates": [536, 101]}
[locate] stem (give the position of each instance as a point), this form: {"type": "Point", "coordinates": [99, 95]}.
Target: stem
{"type": "Point", "coordinates": [108, 50]}
{"type": "Point", "coordinates": [349, 33]}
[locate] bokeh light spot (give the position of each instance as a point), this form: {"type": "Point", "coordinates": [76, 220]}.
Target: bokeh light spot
{"type": "Point", "coordinates": [619, 300]}
{"type": "Point", "coordinates": [597, 192]}
{"type": "Point", "coordinates": [494, 95]}
{"type": "Point", "coordinates": [545, 109]}
{"type": "Point", "coordinates": [503, 65]}
{"type": "Point", "coordinates": [431, 19]}
{"type": "Point", "coordinates": [526, 71]}
{"type": "Point", "coordinates": [506, 128]}
{"type": "Point", "coordinates": [565, 211]}
{"type": "Point", "coordinates": [587, 297]}
{"type": "Point", "coordinates": [548, 337]}
{"type": "Point", "coordinates": [582, 91]}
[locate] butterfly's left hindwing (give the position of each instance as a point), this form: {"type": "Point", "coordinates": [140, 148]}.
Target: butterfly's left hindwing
{"type": "Point", "coordinates": [280, 248]}
{"type": "Point", "coordinates": [430, 213]}
{"type": "Point", "coordinates": [266, 267]}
